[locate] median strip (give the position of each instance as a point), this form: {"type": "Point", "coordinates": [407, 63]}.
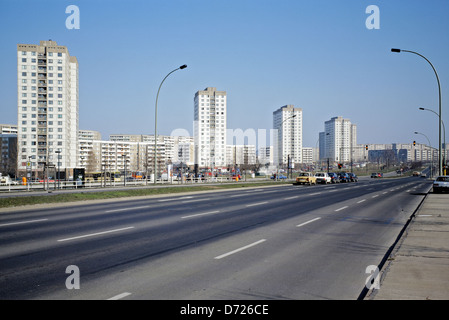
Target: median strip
{"type": "Point", "coordinates": [240, 249]}
{"type": "Point", "coordinates": [95, 234]}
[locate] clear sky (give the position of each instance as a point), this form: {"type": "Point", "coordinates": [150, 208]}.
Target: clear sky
{"type": "Point", "coordinates": [318, 55]}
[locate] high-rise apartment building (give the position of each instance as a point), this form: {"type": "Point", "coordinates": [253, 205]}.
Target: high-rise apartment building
{"type": "Point", "coordinates": [47, 86]}
{"type": "Point", "coordinates": [287, 123]}
{"type": "Point", "coordinates": [210, 128]}
{"type": "Point", "coordinates": [340, 140]}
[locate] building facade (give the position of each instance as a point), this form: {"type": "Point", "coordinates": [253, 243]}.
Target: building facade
{"type": "Point", "coordinates": [340, 140]}
{"type": "Point", "coordinates": [47, 83]}
{"type": "Point", "coordinates": [287, 124]}
{"type": "Point", "coordinates": [209, 129]}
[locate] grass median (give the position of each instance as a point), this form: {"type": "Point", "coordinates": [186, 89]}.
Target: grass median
{"type": "Point", "coordinates": [113, 194]}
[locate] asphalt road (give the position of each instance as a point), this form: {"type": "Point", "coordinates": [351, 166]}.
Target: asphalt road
{"type": "Point", "coordinates": [283, 242]}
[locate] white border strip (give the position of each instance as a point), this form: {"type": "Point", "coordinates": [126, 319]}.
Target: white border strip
{"type": "Point", "coordinates": [240, 249]}
{"type": "Point", "coordinates": [29, 221]}
{"type": "Point", "coordinates": [95, 234]}
{"type": "Point", "coordinates": [302, 224]}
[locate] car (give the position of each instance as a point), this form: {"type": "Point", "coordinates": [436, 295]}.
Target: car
{"type": "Point", "coordinates": [441, 184]}
{"type": "Point", "coordinates": [423, 175]}
{"type": "Point", "coordinates": [322, 177]}
{"type": "Point", "coordinates": [334, 177]}
{"type": "Point", "coordinates": [416, 173]}
{"type": "Point", "coordinates": [343, 177]}
{"type": "Point", "coordinates": [376, 175]}
{"type": "Point", "coordinates": [305, 178]}
{"type": "Point", "coordinates": [280, 176]}
{"type": "Point", "coordinates": [352, 177]}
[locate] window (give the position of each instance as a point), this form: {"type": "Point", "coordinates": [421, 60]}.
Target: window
{"type": "Point", "coordinates": [24, 59]}
{"type": "Point", "coordinates": [59, 54]}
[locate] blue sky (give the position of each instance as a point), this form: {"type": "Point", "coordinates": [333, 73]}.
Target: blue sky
{"type": "Point", "coordinates": [317, 55]}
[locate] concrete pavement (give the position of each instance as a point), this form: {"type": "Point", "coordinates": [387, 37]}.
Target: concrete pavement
{"type": "Point", "coordinates": [418, 268]}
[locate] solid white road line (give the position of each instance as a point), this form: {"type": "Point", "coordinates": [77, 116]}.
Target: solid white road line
{"type": "Point", "coordinates": [126, 209]}
{"type": "Point", "coordinates": [95, 234]}
{"type": "Point", "coordinates": [314, 194]}
{"type": "Point", "coordinates": [256, 204]}
{"type": "Point", "coordinates": [199, 214]}
{"type": "Point", "coordinates": [21, 222]}
{"type": "Point", "coordinates": [187, 201]}
{"type": "Point", "coordinates": [240, 249]}
{"type": "Point", "coordinates": [302, 224]}
{"type": "Point", "coordinates": [238, 195]}
{"type": "Point", "coordinates": [174, 199]}
{"type": "Point", "coordinates": [342, 208]}
{"type": "Point", "coordinates": [291, 198]}
{"type": "Point", "coordinates": [119, 296]}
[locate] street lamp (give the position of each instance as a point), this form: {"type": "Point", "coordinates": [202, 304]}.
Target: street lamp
{"type": "Point", "coordinates": [444, 131]}
{"type": "Point", "coordinates": [124, 164]}
{"type": "Point", "coordinates": [440, 159]}
{"type": "Point", "coordinates": [59, 173]}
{"type": "Point", "coordinates": [431, 152]}
{"type": "Point", "coordinates": [155, 121]}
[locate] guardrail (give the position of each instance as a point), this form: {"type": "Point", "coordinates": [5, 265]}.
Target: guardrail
{"type": "Point", "coordinates": [66, 185]}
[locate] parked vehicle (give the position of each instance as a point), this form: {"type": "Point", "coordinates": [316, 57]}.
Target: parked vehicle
{"type": "Point", "coordinates": [305, 178]}
{"type": "Point", "coordinates": [353, 177]}
{"type": "Point", "coordinates": [322, 177]}
{"type": "Point", "coordinates": [280, 176]}
{"type": "Point", "coordinates": [441, 184]}
{"type": "Point", "coordinates": [343, 177]}
{"type": "Point", "coordinates": [334, 177]}
{"type": "Point", "coordinates": [376, 175]}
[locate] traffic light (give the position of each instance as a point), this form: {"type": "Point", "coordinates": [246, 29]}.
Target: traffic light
{"type": "Point", "coordinates": [414, 143]}
{"type": "Point", "coordinates": [340, 166]}
{"type": "Point", "coordinates": [366, 147]}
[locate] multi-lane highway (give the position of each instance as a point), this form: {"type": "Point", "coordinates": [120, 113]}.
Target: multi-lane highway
{"type": "Point", "coordinates": [283, 242]}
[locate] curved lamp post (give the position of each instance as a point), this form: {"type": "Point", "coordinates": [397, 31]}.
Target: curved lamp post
{"type": "Point", "coordinates": [440, 158]}
{"type": "Point", "coordinates": [155, 122]}
{"type": "Point", "coordinates": [444, 129]}
{"type": "Point", "coordinates": [431, 152]}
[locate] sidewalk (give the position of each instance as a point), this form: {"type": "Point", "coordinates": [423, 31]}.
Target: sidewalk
{"type": "Point", "coordinates": [418, 268]}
